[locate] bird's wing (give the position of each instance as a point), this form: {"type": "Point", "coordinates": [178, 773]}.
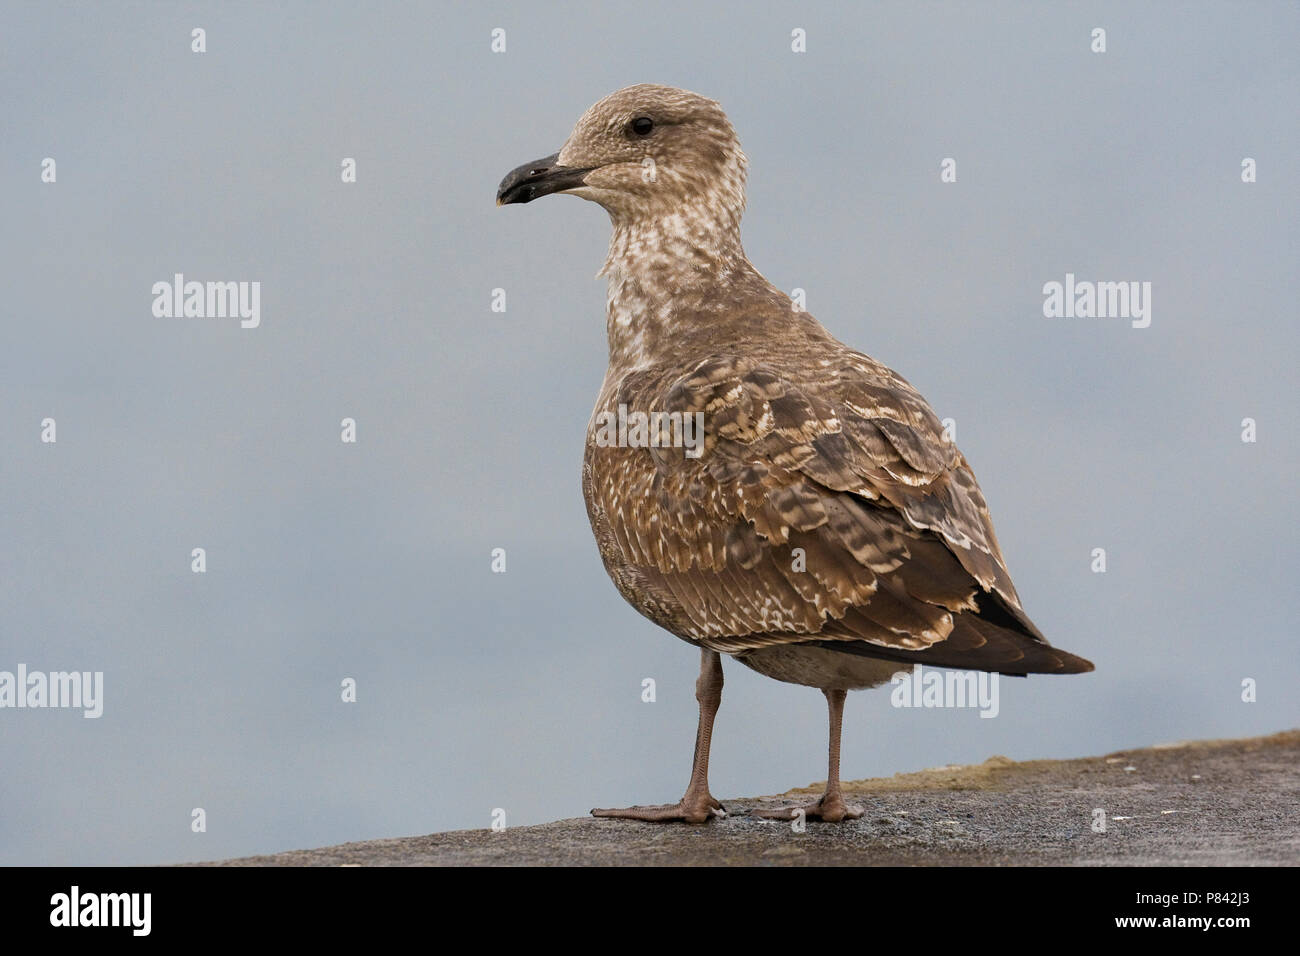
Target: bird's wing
{"type": "Point", "coordinates": [832, 510]}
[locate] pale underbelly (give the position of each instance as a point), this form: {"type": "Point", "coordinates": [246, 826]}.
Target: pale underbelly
{"type": "Point", "coordinates": [815, 666]}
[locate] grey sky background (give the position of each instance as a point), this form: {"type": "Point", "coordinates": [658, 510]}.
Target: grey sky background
{"type": "Point", "coordinates": [371, 561]}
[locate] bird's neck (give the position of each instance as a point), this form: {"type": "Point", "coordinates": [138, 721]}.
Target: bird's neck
{"type": "Point", "coordinates": [667, 272]}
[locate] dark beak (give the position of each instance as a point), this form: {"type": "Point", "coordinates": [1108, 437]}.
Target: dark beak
{"type": "Point", "coordinates": [539, 178]}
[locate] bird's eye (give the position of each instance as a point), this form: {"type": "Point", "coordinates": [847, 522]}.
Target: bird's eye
{"type": "Point", "coordinates": [642, 125]}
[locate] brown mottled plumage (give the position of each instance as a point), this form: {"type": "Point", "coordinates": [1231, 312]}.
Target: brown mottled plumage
{"type": "Point", "coordinates": [828, 532]}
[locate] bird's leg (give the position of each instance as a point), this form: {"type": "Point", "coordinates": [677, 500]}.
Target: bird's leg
{"type": "Point", "coordinates": [697, 805]}
{"type": "Point", "coordinates": [831, 807]}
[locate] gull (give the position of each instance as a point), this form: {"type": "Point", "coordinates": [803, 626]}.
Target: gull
{"type": "Point", "coordinates": [825, 532]}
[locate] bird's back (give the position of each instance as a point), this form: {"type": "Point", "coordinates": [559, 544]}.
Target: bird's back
{"type": "Point", "coordinates": [826, 522]}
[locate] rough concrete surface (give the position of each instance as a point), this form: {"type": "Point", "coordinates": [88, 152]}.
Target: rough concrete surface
{"type": "Point", "coordinates": [1203, 803]}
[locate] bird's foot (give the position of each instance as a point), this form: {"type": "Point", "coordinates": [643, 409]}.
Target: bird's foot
{"type": "Point", "coordinates": [831, 809]}
{"type": "Point", "coordinates": [687, 810]}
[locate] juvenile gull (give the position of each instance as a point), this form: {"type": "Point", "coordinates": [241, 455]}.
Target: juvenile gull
{"type": "Point", "coordinates": [826, 534]}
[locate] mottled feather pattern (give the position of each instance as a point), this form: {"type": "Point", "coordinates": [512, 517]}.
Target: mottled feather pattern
{"type": "Point", "coordinates": [851, 467]}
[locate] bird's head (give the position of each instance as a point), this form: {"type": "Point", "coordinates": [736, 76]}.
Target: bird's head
{"type": "Point", "coordinates": [645, 152]}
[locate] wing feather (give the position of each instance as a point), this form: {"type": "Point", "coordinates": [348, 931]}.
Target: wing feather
{"type": "Point", "coordinates": [832, 511]}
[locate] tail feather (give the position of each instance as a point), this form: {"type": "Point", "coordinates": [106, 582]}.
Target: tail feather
{"type": "Point", "coordinates": [997, 637]}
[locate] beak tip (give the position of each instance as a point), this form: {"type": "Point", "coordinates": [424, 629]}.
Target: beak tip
{"type": "Point", "coordinates": [542, 177]}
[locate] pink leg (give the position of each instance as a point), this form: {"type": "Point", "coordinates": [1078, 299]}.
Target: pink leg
{"type": "Point", "coordinates": [697, 805]}
{"type": "Point", "coordinates": [831, 808]}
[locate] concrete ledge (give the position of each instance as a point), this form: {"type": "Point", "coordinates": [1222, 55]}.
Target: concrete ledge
{"type": "Point", "coordinates": [1204, 803]}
